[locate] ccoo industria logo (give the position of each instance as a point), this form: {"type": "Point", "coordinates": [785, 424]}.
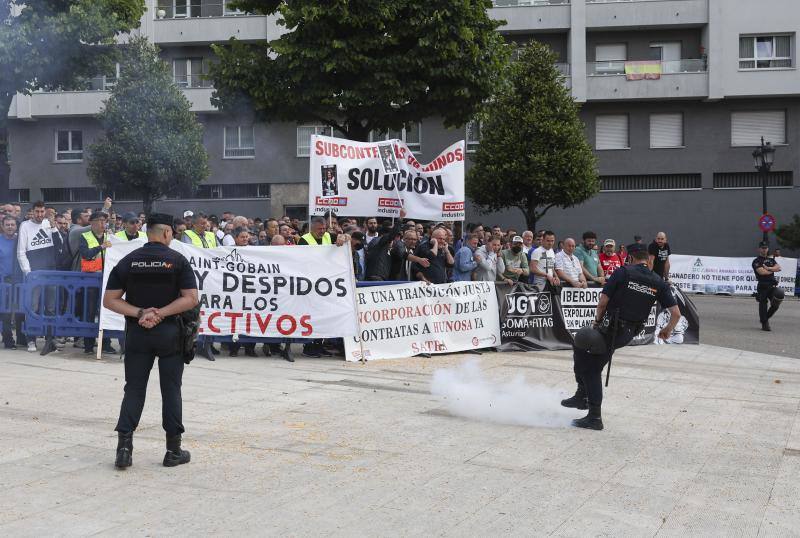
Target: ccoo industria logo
{"type": "Point", "coordinates": [453, 206]}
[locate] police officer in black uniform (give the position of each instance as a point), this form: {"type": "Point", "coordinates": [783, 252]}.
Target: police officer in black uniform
{"type": "Point", "coordinates": [625, 304]}
{"type": "Point", "coordinates": [767, 290]}
{"type": "Point", "coordinates": [158, 284]}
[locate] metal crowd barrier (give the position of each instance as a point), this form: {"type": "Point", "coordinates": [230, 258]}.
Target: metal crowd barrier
{"type": "Point", "coordinates": [61, 303]}
{"type": "Point", "coordinates": [66, 303]}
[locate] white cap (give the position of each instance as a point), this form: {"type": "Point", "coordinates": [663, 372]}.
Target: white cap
{"type": "Point", "coordinates": [187, 214]}
{"type": "Point", "coordinates": [517, 239]}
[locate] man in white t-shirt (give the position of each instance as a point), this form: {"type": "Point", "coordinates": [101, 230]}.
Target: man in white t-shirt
{"type": "Point", "coordinates": [542, 263]}
{"type": "Point", "coordinates": [568, 266]}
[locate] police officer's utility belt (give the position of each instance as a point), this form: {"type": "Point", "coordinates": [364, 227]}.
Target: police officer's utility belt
{"type": "Point", "coordinates": [609, 319]}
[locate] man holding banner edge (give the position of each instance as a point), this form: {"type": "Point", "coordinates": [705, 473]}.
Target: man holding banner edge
{"type": "Point", "coordinates": [625, 304]}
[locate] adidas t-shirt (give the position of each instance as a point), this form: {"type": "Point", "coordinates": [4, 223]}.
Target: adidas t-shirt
{"type": "Point", "coordinates": [35, 251]}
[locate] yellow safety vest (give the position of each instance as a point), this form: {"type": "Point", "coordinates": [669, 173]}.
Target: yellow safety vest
{"type": "Point", "coordinates": [94, 265]}
{"type": "Point", "coordinates": [311, 240]}
{"type": "Point", "coordinates": [124, 236]}
{"type": "Point", "coordinates": [211, 239]}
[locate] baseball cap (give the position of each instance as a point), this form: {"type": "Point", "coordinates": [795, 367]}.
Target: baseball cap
{"type": "Point", "coordinates": [130, 216]}
{"type": "Point", "coordinates": [636, 247]}
{"type": "Point", "coordinates": [187, 214]}
{"type": "Point", "coordinates": [763, 244]}
{"type": "Point", "coordinates": [609, 242]}
{"type": "Point", "coordinates": [517, 239]}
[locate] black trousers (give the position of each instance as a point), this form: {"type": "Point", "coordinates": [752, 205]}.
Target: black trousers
{"type": "Point", "coordinates": [8, 338]}
{"type": "Point", "coordinates": [766, 305]}
{"type": "Point", "coordinates": [588, 367]}
{"type": "Point", "coordinates": [143, 345]}
{"type": "Point", "coordinates": [236, 346]}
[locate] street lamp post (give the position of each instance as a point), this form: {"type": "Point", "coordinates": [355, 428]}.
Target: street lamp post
{"type": "Point", "coordinates": [763, 157]}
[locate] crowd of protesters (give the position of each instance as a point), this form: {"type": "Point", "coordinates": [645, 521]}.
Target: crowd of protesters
{"type": "Point", "coordinates": [75, 239]}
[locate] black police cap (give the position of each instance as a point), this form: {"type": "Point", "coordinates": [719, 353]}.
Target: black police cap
{"type": "Point", "coordinates": [763, 244]}
{"type": "Point", "coordinates": [160, 218]}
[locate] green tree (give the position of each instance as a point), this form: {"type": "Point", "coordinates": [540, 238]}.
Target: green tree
{"type": "Point", "coordinates": [362, 65]}
{"type": "Point", "coordinates": [153, 143]}
{"type": "Point", "coordinates": [46, 44]}
{"type": "Point", "coordinates": [533, 154]}
{"type": "Point", "coordinates": [789, 234]}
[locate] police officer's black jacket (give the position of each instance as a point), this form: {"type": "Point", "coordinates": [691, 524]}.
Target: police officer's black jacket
{"type": "Point", "coordinates": [765, 261]}
{"type": "Point", "coordinates": [633, 289]}
{"type": "Point", "coordinates": [152, 276]}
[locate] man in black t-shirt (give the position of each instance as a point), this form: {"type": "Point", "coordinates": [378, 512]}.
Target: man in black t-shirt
{"type": "Point", "coordinates": [659, 252]}
{"type": "Point", "coordinates": [767, 289]}
{"type": "Point", "coordinates": [158, 284]}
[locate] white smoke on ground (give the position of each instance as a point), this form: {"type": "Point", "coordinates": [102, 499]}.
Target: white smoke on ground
{"type": "Point", "coordinates": [467, 393]}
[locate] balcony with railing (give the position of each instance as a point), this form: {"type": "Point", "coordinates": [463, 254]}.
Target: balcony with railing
{"type": "Point", "coordinates": [531, 15]}
{"type": "Point", "coordinates": [616, 80]}
{"type": "Point", "coordinates": [645, 13]}
{"type": "Point", "coordinates": [89, 102]}
{"type": "Point", "coordinates": [196, 21]}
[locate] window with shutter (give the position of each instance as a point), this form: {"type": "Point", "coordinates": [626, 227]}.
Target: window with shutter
{"type": "Point", "coordinates": [765, 51]}
{"type": "Point", "coordinates": [239, 142]}
{"type": "Point", "coordinates": [666, 130]}
{"type": "Point", "coordinates": [304, 133]}
{"type": "Point", "coordinates": [747, 127]}
{"type": "Point", "coordinates": [611, 131]}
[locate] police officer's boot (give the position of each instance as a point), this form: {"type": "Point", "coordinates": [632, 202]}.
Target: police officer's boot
{"type": "Point", "coordinates": [124, 450]}
{"type": "Point", "coordinates": [591, 421]}
{"type": "Point", "coordinates": [175, 456]}
{"type": "Point", "coordinates": [578, 401]}
{"type": "Point", "coordinates": [765, 326]}
{"type": "Point", "coordinates": [772, 309]}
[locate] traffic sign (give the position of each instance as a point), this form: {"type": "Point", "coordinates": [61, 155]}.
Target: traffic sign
{"type": "Point", "coordinates": [766, 223]}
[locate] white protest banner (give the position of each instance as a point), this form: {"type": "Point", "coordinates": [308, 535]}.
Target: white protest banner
{"type": "Point", "coordinates": [730, 276]}
{"type": "Point", "coordinates": [375, 178]}
{"type": "Point", "coordinates": [280, 292]}
{"type": "Point", "coordinates": [578, 307]}
{"type": "Point", "coordinates": [408, 319]}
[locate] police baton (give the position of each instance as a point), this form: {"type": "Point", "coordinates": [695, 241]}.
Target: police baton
{"type": "Point", "coordinates": [614, 325]}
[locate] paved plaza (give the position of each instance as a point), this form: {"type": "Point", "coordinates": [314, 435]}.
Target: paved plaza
{"type": "Point", "coordinates": [699, 440]}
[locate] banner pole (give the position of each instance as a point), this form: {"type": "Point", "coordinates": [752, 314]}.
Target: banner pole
{"type": "Point", "coordinates": [355, 303]}
{"type": "Point", "coordinates": [99, 344]}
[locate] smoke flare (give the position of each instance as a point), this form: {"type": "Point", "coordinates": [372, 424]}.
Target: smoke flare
{"type": "Point", "coordinates": [469, 394]}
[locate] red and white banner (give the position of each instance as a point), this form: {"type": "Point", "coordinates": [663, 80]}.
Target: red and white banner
{"type": "Point", "coordinates": [282, 292]}
{"type": "Point", "coordinates": [365, 179]}
{"type": "Point", "coordinates": [408, 319]}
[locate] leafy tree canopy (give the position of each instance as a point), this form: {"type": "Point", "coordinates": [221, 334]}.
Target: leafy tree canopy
{"type": "Point", "coordinates": [533, 154]}
{"type": "Point", "coordinates": [53, 43]}
{"type": "Point", "coordinates": [153, 142]}
{"type": "Point", "coordinates": [362, 65]}
{"type": "Point", "coordinates": [789, 234]}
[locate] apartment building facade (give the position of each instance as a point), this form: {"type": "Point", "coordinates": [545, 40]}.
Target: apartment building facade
{"type": "Point", "coordinates": [675, 95]}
